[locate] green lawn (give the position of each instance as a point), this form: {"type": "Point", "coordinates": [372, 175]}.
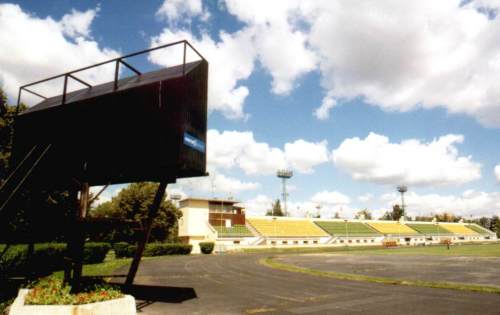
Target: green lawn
{"type": "Point", "coordinates": [486, 250]}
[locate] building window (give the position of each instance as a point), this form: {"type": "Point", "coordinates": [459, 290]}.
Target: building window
{"type": "Point", "coordinates": [366, 241]}
{"type": "Point", "coordinates": [349, 241]}
{"type": "Point", "coordinates": [295, 242]}
{"type": "Point", "coordinates": [315, 242]}
{"type": "Point", "coordinates": [273, 242]}
{"type": "Point", "coordinates": [342, 241]}
{"type": "Point", "coordinates": [236, 242]}
{"type": "Point", "coordinates": [284, 242]}
{"type": "Point", "coordinates": [373, 241]}
{"type": "Point", "coordinates": [305, 242]}
{"type": "Point", "coordinates": [357, 241]}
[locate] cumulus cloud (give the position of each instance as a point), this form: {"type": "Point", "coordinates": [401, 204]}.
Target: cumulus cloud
{"type": "Point", "coordinates": [419, 54]}
{"type": "Point", "coordinates": [42, 47]}
{"type": "Point", "coordinates": [469, 203]}
{"type": "Point", "coordinates": [329, 202]}
{"type": "Point", "coordinates": [215, 183]}
{"type": "Point", "coordinates": [497, 172]}
{"type": "Point", "coordinates": [323, 112]}
{"type": "Point", "coordinates": [229, 149]}
{"type": "Point", "coordinates": [330, 198]}
{"type": "Point", "coordinates": [365, 198]}
{"type": "Point", "coordinates": [173, 10]}
{"type": "Point", "coordinates": [410, 162]}
{"type": "Point", "coordinates": [230, 60]}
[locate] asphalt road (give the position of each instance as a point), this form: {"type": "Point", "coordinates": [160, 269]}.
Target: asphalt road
{"type": "Point", "coordinates": [471, 270]}
{"type": "Point", "coordinates": [238, 284]}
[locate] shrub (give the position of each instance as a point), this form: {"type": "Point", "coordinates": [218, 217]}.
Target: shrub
{"type": "Point", "coordinates": [13, 260]}
{"type": "Point", "coordinates": [207, 247]}
{"type": "Point", "coordinates": [95, 252]}
{"type": "Point", "coordinates": [124, 250]}
{"type": "Point", "coordinates": [47, 257]}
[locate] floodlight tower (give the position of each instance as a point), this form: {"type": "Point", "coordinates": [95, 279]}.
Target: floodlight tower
{"type": "Point", "coordinates": [284, 174]}
{"type": "Point", "coordinates": [402, 189]}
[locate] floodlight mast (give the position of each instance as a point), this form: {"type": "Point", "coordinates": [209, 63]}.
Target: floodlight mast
{"type": "Point", "coordinates": [284, 174]}
{"type": "Point", "coordinates": [402, 189]}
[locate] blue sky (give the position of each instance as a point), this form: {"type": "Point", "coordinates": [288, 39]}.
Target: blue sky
{"type": "Point", "coordinates": [355, 98]}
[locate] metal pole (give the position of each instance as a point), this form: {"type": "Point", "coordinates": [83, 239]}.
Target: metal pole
{"type": "Point", "coordinates": [79, 238]}
{"type": "Point", "coordinates": [284, 197]}
{"type": "Point", "coordinates": [153, 210]}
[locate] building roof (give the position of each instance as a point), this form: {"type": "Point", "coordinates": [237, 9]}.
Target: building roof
{"type": "Point", "coordinates": [227, 201]}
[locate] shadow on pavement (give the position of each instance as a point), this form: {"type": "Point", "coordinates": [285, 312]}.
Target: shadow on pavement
{"type": "Point", "coordinates": [150, 294]}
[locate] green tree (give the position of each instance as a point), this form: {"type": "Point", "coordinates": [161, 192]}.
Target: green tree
{"type": "Point", "coordinates": [394, 215]}
{"type": "Point", "coordinates": [363, 213]}
{"type": "Point", "coordinates": [275, 209]}
{"type": "Point", "coordinates": [132, 204]}
{"type": "Point", "coordinates": [337, 215]}
{"type": "Point", "coordinates": [495, 224]}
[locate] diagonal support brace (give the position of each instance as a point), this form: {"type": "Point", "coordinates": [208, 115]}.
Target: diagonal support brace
{"type": "Point", "coordinates": [153, 211]}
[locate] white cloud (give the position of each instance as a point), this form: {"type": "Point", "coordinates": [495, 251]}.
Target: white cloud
{"type": "Point", "coordinates": [42, 47]}
{"type": "Point", "coordinates": [229, 149]}
{"type": "Point", "coordinates": [258, 205]}
{"type": "Point", "coordinates": [366, 197]}
{"type": "Point", "coordinates": [497, 172]}
{"type": "Point", "coordinates": [323, 112]}
{"type": "Point", "coordinates": [469, 203]}
{"type": "Point", "coordinates": [303, 155]}
{"type": "Point", "coordinates": [215, 183]}
{"type": "Point", "coordinates": [230, 60]}
{"type": "Point", "coordinates": [398, 56]}
{"type": "Point", "coordinates": [410, 162]}
{"type": "Point", "coordinates": [78, 23]}
{"type": "Point", "coordinates": [55, 53]}
{"type": "Point", "coordinates": [174, 10]}
{"type": "Point", "coordinates": [330, 198]}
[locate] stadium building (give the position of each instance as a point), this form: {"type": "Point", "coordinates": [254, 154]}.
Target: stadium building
{"type": "Point", "coordinates": [225, 223]}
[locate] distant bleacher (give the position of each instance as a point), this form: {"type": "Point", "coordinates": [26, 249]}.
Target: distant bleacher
{"type": "Point", "coordinates": [339, 228]}
{"type": "Point", "coordinates": [458, 229]}
{"type": "Point", "coordinates": [276, 227]}
{"type": "Point", "coordinates": [392, 227]}
{"type": "Point", "coordinates": [478, 229]}
{"type": "Point", "coordinates": [234, 231]}
{"type": "Point", "coordinates": [429, 228]}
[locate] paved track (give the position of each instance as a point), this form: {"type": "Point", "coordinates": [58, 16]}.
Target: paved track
{"type": "Point", "coordinates": [238, 284]}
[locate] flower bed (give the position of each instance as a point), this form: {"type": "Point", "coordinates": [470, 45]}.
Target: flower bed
{"type": "Point", "coordinates": [52, 291]}
{"type": "Point", "coordinates": [50, 296]}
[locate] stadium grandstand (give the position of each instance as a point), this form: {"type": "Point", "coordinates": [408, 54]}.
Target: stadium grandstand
{"type": "Point", "coordinates": [225, 223]}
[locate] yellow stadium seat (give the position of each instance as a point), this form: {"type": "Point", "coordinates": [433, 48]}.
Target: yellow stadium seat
{"type": "Point", "coordinates": [286, 228]}
{"type": "Point", "coordinates": [392, 228]}
{"type": "Point", "coordinates": [458, 229]}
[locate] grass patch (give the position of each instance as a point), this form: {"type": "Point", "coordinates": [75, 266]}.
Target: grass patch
{"type": "Point", "coordinates": [104, 268]}
{"type": "Point", "coordinates": [306, 250]}
{"type": "Point", "coordinates": [271, 263]}
{"type": "Point", "coordinates": [479, 250]}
